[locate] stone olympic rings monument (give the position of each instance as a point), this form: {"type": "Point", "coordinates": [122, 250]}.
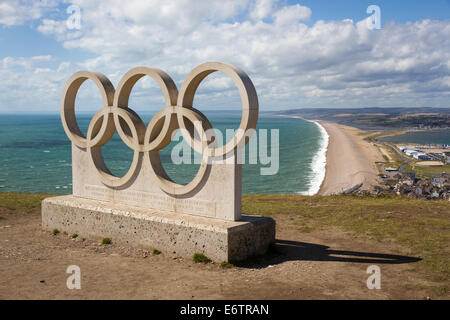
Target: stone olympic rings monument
{"type": "Point", "coordinates": [145, 207]}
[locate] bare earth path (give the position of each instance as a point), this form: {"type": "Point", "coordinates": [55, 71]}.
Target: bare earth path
{"type": "Point", "coordinates": [350, 159]}
{"type": "Point", "coordinates": [327, 264]}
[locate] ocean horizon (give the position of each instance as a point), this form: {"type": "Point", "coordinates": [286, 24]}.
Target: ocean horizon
{"type": "Point", "coordinates": [35, 154]}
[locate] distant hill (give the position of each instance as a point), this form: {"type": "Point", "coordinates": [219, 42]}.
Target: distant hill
{"type": "Point", "coordinates": [377, 117]}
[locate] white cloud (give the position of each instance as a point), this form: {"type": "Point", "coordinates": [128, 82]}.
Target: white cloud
{"type": "Point", "coordinates": [15, 12]}
{"type": "Point", "coordinates": [26, 63]}
{"type": "Point", "coordinates": [292, 14]}
{"type": "Point", "coordinates": [327, 64]}
{"type": "Point", "coordinates": [262, 9]}
{"type": "Point", "coordinates": [64, 66]}
{"type": "Point", "coordinates": [30, 83]}
{"type": "Point", "coordinates": [50, 26]}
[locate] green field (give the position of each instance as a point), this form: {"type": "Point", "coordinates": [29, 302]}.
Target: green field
{"type": "Point", "coordinates": [427, 171]}
{"type": "Point", "coordinates": [21, 202]}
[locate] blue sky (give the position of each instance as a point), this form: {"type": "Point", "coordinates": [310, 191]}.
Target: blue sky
{"type": "Point", "coordinates": [392, 10]}
{"type": "Point", "coordinates": [310, 53]}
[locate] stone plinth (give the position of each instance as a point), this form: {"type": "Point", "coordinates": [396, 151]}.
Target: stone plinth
{"type": "Point", "coordinates": [166, 231]}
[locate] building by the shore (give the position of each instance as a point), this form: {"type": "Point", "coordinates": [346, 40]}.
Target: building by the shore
{"type": "Point", "coordinates": [416, 154]}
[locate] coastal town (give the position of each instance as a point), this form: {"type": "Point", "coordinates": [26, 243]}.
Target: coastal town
{"type": "Point", "coordinates": [408, 184]}
{"type": "Point", "coordinates": [412, 170]}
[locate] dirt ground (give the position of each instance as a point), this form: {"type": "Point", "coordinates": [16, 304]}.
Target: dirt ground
{"type": "Point", "coordinates": [327, 264]}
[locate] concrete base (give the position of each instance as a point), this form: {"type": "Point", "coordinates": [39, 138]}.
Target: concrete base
{"type": "Point", "coordinates": [169, 232]}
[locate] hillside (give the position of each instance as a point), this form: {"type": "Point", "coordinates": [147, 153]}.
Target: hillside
{"type": "Point", "coordinates": [324, 245]}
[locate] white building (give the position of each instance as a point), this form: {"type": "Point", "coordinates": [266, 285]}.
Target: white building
{"type": "Point", "coordinates": [410, 152]}
{"type": "Point", "coordinates": [421, 156]}
{"type": "Point", "coordinates": [416, 154]}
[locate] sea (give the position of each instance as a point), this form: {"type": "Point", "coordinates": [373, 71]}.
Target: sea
{"type": "Point", "coordinates": [35, 154]}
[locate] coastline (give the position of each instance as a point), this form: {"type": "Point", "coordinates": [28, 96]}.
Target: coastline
{"type": "Point", "coordinates": [350, 159]}
{"type": "Point", "coordinates": [318, 164]}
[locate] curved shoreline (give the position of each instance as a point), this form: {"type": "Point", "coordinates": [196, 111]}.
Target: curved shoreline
{"type": "Point", "coordinates": [319, 162]}
{"type": "Point", "coordinates": [320, 158]}
{"type": "Point", "coordinates": [350, 160]}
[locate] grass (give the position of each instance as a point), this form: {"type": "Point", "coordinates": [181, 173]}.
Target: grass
{"type": "Point", "coordinates": [395, 160]}
{"type": "Point", "coordinates": [427, 171]}
{"type": "Point", "coordinates": [24, 202]}
{"type": "Point", "coordinates": [421, 226]}
{"type": "Point", "coordinates": [226, 265]}
{"type": "Point", "coordinates": [106, 241]}
{"type": "Point", "coordinates": [391, 159]}
{"type": "Point", "coordinates": [55, 232]}
{"type": "Point", "coordinates": [200, 258]}
{"type": "Point", "coordinates": [440, 290]}
{"type": "Point", "coordinates": [156, 252]}
{"type": "Point", "coordinates": [74, 236]}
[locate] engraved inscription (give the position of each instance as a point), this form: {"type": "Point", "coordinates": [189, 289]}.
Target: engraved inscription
{"type": "Point", "coordinates": [151, 200]}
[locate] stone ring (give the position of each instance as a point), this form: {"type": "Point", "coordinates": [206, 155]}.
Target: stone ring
{"type": "Point", "coordinates": [147, 141]}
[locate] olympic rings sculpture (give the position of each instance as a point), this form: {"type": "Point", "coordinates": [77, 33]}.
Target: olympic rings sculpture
{"type": "Point", "coordinates": [116, 115]}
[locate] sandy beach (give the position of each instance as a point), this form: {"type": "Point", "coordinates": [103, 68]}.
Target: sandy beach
{"type": "Point", "coordinates": [350, 159]}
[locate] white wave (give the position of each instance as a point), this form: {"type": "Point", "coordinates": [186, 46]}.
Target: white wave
{"type": "Point", "coordinates": [318, 163]}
